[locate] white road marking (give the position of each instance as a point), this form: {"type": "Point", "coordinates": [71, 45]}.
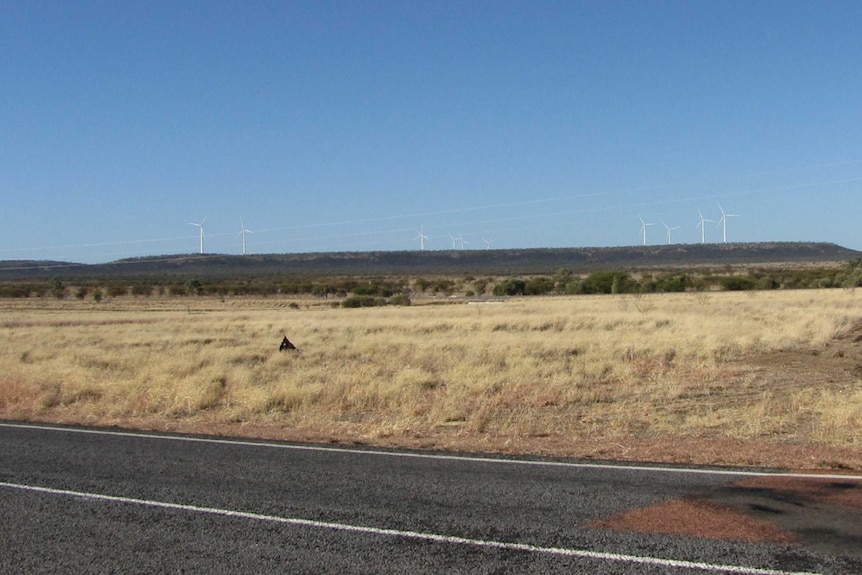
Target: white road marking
{"type": "Point", "coordinates": [430, 537]}
{"type": "Point", "coordinates": [438, 456]}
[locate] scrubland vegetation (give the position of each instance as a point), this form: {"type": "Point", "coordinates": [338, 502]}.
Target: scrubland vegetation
{"type": "Point", "coordinates": [370, 290]}
{"type": "Point", "coordinates": [606, 366]}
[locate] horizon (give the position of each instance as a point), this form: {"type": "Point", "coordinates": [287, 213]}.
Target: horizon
{"type": "Point", "coordinates": [330, 126]}
{"type": "Point", "coordinates": [197, 255]}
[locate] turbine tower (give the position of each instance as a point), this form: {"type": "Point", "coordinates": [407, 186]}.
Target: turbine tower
{"type": "Point", "coordinates": [243, 232]}
{"type": "Point", "coordinates": [421, 237]}
{"type": "Point", "coordinates": [669, 230]}
{"type": "Point", "coordinates": [723, 220]}
{"type": "Point", "coordinates": [644, 227]}
{"type": "Point", "coordinates": [201, 226]}
{"type": "Point", "coordinates": [702, 227]}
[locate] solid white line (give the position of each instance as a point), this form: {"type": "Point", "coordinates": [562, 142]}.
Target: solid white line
{"type": "Point", "coordinates": [438, 456]}
{"type": "Point", "coordinates": [432, 537]}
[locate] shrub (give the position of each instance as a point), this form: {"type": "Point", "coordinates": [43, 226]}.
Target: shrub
{"type": "Point", "coordinates": [320, 290]}
{"type": "Point", "coordinates": [671, 283]}
{"type": "Point", "coordinates": [193, 287]}
{"type": "Point", "coordinates": [737, 283]}
{"type": "Point", "coordinates": [768, 282]}
{"type": "Point", "coordinates": [444, 286]}
{"type": "Point", "coordinates": [294, 288]}
{"type": "Point", "coordinates": [400, 299]}
{"type": "Point", "coordinates": [117, 290]}
{"type": "Point", "coordinates": [512, 286]}
{"type": "Point", "coordinates": [539, 286]}
{"type": "Point", "coordinates": [142, 290]}
{"type": "Point", "coordinates": [853, 279]}
{"type": "Point", "coordinates": [608, 282]}
{"type": "Point", "coordinates": [363, 301]}
{"type": "Point", "coordinates": [376, 287]}
{"type": "Point", "coordinates": [19, 290]}
{"type": "Point", "coordinates": [58, 289]}
{"type": "Point", "coordinates": [352, 301]}
{"type": "Point", "coordinates": [365, 290]}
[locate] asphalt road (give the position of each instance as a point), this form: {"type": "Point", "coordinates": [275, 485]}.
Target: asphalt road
{"type": "Point", "coordinates": [102, 501]}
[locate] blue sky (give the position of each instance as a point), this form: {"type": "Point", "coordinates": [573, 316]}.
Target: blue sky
{"type": "Point", "coordinates": [347, 126]}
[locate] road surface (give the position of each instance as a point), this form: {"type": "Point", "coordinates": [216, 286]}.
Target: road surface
{"type": "Point", "coordinates": [76, 500]}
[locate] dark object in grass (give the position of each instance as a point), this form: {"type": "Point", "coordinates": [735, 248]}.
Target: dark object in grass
{"type": "Point", "coordinates": [285, 344]}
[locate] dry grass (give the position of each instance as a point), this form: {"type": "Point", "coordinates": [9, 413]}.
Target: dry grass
{"type": "Point", "coordinates": [578, 367]}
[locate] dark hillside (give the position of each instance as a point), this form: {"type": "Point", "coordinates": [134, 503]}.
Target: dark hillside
{"type": "Point", "coordinates": [487, 262]}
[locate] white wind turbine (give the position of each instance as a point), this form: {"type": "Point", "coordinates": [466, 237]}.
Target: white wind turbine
{"type": "Point", "coordinates": [702, 227]}
{"type": "Point", "coordinates": [669, 230]}
{"type": "Point", "coordinates": [462, 241]}
{"type": "Point", "coordinates": [201, 226]}
{"type": "Point", "coordinates": [723, 220]}
{"type": "Point", "coordinates": [488, 243]}
{"type": "Point", "coordinates": [243, 232]}
{"type": "Point", "coordinates": [421, 237]}
{"type": "Point", "coordinates": [644, 227]}
{"type": "Point", "coordinates": [453, 240]}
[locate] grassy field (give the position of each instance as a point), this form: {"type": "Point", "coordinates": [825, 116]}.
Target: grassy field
{"type": "Point", "coordinates": [572, 376]}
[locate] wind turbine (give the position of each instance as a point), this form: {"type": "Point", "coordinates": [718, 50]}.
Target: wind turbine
{"type": "Point", "coordinates": [243, 232]}
{"type": "Point", "coordinates": [669, 230]}
{"type": "Point", "coordinates": [702, 227]}
{"type": "Point", "coordinates": [421, 237]}
{"type": "Point", "coordinates": [644, 227]}
{"type": "Point", "coordinates": [461, 241]}
{"type": "Point", "coordinates": [488, 243]}
{"type": "Point", "coordinates": [201, 226]}
{"type": "Point", "coordinates": [453, 240]}
{"type": "Point", "coordinates": [723, 220]}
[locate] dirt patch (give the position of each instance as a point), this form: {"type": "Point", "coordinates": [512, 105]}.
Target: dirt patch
{"type": "Point", "coordinates": [837, 365]}
{"type": "Point", "coordinates": [698, 518]}
{"type": "Point", "coordinates": [818, 513]}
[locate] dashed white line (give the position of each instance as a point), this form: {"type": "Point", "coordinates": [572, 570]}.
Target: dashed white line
{"type": "Point", "coordinates": [429, 537]}
{"type": "Point", "coordinates": [438, 456]}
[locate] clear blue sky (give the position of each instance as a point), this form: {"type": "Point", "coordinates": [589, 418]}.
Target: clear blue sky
{"type": "Point", "coordinates": [345, 126]}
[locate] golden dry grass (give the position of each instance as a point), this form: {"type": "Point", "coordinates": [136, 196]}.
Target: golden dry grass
{"type": "Point", "coordinates": [577, 367]}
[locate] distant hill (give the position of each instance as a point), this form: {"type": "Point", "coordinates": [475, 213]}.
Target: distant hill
{"type": "Point", "coordinates": [477, 262]}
